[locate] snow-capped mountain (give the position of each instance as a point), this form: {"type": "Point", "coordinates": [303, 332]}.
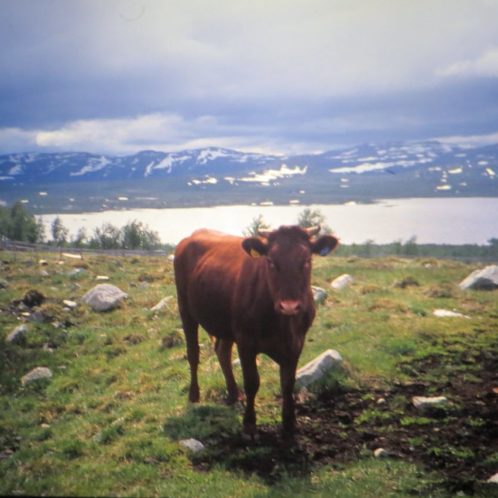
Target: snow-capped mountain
{"type": "Point", "coordinates": [368, 171]}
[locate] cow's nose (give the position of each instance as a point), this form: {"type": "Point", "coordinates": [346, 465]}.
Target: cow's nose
{"type": "Point", "coordinates": [289, 307]}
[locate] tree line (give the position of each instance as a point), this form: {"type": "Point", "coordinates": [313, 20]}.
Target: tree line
{"type": "Point", "coordinates": [18, 224]}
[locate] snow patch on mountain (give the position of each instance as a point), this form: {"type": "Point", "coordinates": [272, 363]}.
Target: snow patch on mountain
{"type": "Point", "coordinates": [94, 165]}
{"type": "Point", "coordinates": [270, 175]}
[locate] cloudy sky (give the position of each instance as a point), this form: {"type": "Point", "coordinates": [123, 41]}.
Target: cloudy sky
{"type": "Point", "coordinates": [287, 76]}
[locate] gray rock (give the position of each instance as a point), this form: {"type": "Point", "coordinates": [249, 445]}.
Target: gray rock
{"type": "Point", "coordinates": [3, 283]}
{"type": "Point", "coordinates": [44, 273]}
{"type": "Point", "coordinates": [493, 479]}
{"type": "Point", "coordinates": [38, 317]}
{"type": "Point", "coordinates": [381, 453]}
{"type": "Point", "coordinates": [104, 297]}
{"type": "Point", "coordinates": [102, 278]}
{"type": "Point", "coordinates": [485, 279]}
{"type": "Point", "coordinates": [18, 335]}
{"type": "Point", "coordinates": [162, 304]}
{"type": "Point", "coordinates": [75, 271]}
{"type": "Point", "coordinates": [38, 373]}
{"type": "Point", "coordinates": [342, 281]}
{"type": "Point", "coordinates": [424, 403]}
{"type": "Point", "coordinates": [192, 444]}
{"type": "Point", "coordinates": [69, 304]}
{"type": "Point", "coordinates": [448, 314]}
{"type": "Point", "coordinates": [319, 294]}
{"type": "Point", "coordinates": [317, 368]}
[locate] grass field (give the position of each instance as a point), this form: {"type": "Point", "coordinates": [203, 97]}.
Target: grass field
{"type": "Point", "coordinates": [109, 420]}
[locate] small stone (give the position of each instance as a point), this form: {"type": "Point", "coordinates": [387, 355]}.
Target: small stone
{"type": "Point", "coordinates": [318, 368]}
{"type": "Point", "coordinates": [381, 401]}
{"type": "Point", "coordinates": [69, 304]}
{"type": "Point", "coordinates": [236, 363]}
{"type": "Point", "coordinates": [493, 479]}
{"type": "Point", "coordinates": [43, 262]}
{"type": "Point", "coordinates": [104, 297]}
{"type": "Point", "coordinates": [38, 317]}
{"type": "Point", "coordinates": [319, 294]}
{"type": "Point", "coordinates": [192, 444]}
{"type": "Point", "coordinates": [171, 258]}
{"type": "Point", "coordinates": [342, 281]}
{"type": "Point", "coordinates": [485, 279]}
{"type": "Point", "coordinates": [423, 402]}
{"type": "Point", "coordinates": [3, 284]}
{"type": "Point", "coordinates": [162, 304]}
{"type": "Point", "coordinates": [448, 314]}
{"type": "Point", "coordinates": [102, 278]}
{"type": "Point", "coordinates": [44, 273]}
{"type": "Point", "coordinates": [18, 335]}
{"type": "Point", "coordinates": [38, 373]}
{"type": "Point", "coordinates": [381, 453]}
{"type": "Point", "coordinates": [75, 271]}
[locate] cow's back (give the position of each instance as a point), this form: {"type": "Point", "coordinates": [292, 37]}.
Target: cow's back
{"type": "Point", "coordinates": [207, 268]}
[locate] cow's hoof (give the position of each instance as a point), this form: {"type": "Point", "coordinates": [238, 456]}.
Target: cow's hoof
{"type": "Point", "coordinates": [194, 396]}
{"type": "Point", "coordinates": [250, 431]}
{"type": "Point", "coordinates": [233, 398]}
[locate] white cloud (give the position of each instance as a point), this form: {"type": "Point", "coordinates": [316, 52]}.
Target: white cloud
{"type": "Point", "coordinates": [485, 64]}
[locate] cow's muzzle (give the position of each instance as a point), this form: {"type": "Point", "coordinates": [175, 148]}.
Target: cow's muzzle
{"type": "Point", "coordinates": [289, 307]}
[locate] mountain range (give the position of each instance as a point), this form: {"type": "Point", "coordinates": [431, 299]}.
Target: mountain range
{"type": "Point", "coordinates": [197, 177]}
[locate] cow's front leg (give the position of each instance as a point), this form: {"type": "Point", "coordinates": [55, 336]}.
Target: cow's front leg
{"type": "Point", "coordinates": [287, 381]}
{"type": "Point", "coordinates": [251, 386]}
{"type": "Point", "coordinates": [223, 348]}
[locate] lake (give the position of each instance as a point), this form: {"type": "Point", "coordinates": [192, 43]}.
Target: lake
{"type": "Point", "coordinates": [430, 220]}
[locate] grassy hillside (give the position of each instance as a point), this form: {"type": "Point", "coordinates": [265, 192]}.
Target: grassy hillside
{"type": "Point", "coordinates": [109, 420]}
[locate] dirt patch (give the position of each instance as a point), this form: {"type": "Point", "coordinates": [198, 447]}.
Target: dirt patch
{"type": "Point", "coordinates": [459, 440]}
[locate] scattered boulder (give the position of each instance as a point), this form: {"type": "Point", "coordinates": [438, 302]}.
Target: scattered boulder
{"type": "Point", "coordinates": [69, 304]}
{"type": "Point", "coordinates": [493, 479]}
{"type": "Point", "coordinates": [38, 373]}
{"type": "Point", "coordinates": [317, 368]}
{"type": "Point", "coordinates": [485, 279]}
{"type": "Point", "coordinates": [38, 316]}
{"type": "Point", "coordinates": [75, 271]}
{"type": "Point", "coordinates": [18, 335]}
{"type": "Point", "coordinates": [104, 297]}
{"type": "Point", "coordinates": [342, 281]}
{"type": "Point", "coordinates": [44, 273]}
{"type": "Point", "coordinates": [426, 403]}
{"type": "Point", "coordinates": [33, 298]}
{"type": "Point", "coordinates": [381, 453]}
{"type": "Point", "coordinates": [3, 283]}
{"type": "Point", "coordinates": [448, 314]}
{"type": "Point", "coordinates": [162, 304]}
{"type": "Point", "coordinates": [192, 444]}
{"type": "Point", "coordinates": [319, 294]}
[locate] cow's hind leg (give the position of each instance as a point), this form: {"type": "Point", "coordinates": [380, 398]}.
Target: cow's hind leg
{"type": "Point", "coordinates": [191, 330]}
{"type": "Point", "coordinates": [251, 386]}
{"type": "Point", "coordinates": [223, 348]}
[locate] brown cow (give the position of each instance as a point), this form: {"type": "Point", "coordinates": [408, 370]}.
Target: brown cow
{"type": "Point", "coordinates": [254, 292]}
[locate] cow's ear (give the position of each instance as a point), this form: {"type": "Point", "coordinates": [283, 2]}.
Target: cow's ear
{"type": "Point", "coordinates": [324, 245]}
{"type": "Point", "coordinates": [254, 247]}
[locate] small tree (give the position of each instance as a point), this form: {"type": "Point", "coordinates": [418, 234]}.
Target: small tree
{"type": "Point", "coordinates": [312, 217]}
{"type": "Point", "coordinates": [17, 223]}
{"type": "Point", "coordinates": [137, 235]}
{"type": "Point", "coordinates": [257, 224]}
{"type": "Point", "coordinates": [80, 238]}
{"type": "Point", "coordinates": [106, 236]}
{"type": "Point", "coordinates": [59, 232]}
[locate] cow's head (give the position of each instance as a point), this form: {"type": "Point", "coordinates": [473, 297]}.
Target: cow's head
{"type": "Point", "coordinates": [286, 253]}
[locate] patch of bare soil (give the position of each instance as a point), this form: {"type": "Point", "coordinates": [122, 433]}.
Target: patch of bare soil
{"type": "Point", "coordinates": [459, 441]}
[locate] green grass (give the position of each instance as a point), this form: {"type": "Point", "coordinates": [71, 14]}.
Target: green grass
{"type": "Point", "coordinates": [109, 421]}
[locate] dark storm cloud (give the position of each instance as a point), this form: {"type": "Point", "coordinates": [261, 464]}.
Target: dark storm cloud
{"type": "Point", "coordinates": [288, 75]}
